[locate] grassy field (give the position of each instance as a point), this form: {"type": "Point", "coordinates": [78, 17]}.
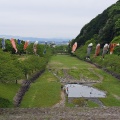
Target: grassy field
{"type": "Point", "coordinates": [66, 62]}
{"type": "Point", "coordinates": [7, 93]}
{"type": "Point", "coordinates": [112, 86]}
{"type": "Point", "coordinates": [45, 92]}
{"type": "Point", "coordinates": [77, 68]}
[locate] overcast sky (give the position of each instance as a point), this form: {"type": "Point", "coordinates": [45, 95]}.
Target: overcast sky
{"type": "Point", "coordinates": [48, 18]}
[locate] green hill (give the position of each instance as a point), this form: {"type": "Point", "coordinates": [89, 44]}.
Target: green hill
{"type": "Point", "coordinates": [103, 28]}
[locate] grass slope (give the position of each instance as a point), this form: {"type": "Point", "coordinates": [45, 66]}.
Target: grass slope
{"type": "Point", "coordinates": [7, 93]}
{"type": "Point", "coordinates": [45, 92]}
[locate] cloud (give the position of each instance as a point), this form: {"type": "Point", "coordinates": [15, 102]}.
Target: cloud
{"type": "Point", "coordinates": [48, 18]}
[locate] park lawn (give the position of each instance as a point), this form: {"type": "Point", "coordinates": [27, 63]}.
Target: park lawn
{"type": "Point", "coordinates": [44, 92]}
{"type": "Point", "coordinates": [66, 62]}
{"type": "Point", "coordinates": [76, 67]}
{"type": "Point", "coordinates": [91, 104]}
{"type": "Point", "coordinates": [7, 93]}
{"type": "Point", "coordinates": [112, 87]}
{"type": "Point", "coordinates": [85, 73]}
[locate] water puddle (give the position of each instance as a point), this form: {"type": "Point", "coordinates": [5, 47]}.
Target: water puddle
{"type": "Point", "coordinates": [77, 90]}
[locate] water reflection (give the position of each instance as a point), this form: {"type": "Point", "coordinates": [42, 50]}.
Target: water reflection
{"type": "Point", "coordinates": [77, 90]}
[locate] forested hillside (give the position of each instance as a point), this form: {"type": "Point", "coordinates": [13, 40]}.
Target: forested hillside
{"type": "Point", "coordinates": [103, 28]}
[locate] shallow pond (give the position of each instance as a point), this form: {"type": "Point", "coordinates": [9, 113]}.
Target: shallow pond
{"type": "Point", "coordinates": [77, 90]}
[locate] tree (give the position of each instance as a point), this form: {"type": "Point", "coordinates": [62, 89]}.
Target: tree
{"type": "Point", "coordinates": [9, 72]}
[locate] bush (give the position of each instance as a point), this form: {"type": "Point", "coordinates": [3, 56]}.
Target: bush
{"type": "Point", "coordinates": [4, 103]}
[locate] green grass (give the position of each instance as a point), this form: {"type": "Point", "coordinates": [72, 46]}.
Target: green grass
{"type": "Point", "coordinates": [76, 67]}
{"type": "Point", "coordinates": [45, 92]}
{"type": "Point", "coordinates": [7, 93]}
{"type": "Point", "coordinates": [112, 86]}
{"type": "Point", "coordinates": [77, 73]}
{"type": "Point", "coordinates": [92, 104]}
{"type": "Point", "coordinates": [110, 101]}
{"type": "Point", "coordinates": [66, 62]}
{"type": "Point", "coordinates": [60, 73]}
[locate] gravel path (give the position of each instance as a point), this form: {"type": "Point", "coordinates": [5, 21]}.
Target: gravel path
{"type": "Point", "coordinates": [111, 113]}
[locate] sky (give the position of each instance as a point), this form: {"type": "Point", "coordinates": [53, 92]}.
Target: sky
{"type": "Point", "coordinates": [48, 18]}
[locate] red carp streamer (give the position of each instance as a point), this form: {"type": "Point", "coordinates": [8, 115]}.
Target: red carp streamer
{"type": "Point", "coordinates": [13, 44]}
{"type": "Point", "coordinates": [26, 44]}
{"type": "Point", "coordinates": [112, 46]}
{"type": "Point", "coordinates": [97, 50]}
{"type": "Point", "coordinates": [74, 47]}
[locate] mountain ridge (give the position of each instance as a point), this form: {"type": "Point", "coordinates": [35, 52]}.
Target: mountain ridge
{"type": "Point", "coordinates": [40, 40]}
{"type": "Point", "coordinates": [34, 38]}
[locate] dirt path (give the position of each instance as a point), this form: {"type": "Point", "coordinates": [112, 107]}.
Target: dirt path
{"type": "Point", "coordinates": [111, 113]}
{"type": "Point", "coordinates": [62, 101]}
